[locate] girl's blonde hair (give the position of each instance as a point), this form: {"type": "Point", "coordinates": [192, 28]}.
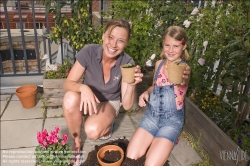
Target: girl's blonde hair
{"type": "Point", "coordinates": [178, 33]}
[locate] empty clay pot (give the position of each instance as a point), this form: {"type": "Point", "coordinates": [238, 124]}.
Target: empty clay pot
{"type": "Point", "coordinates": [27, 95]}
{"type": "Point", "coordinates": [101, 153]}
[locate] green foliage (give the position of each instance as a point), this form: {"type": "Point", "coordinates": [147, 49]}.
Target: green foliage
{"type": "Point", "coordinates": [140, 46]}
{"type": "Point", "coordinates": [225, 28]}
{"type": "Point", "coordinates": [54, 155]}
{"type": "Point", "coordinates": [241, 136]}
{"type": "Point", "coordinates": [217, 110]}
{"type": "Point", "coordinates": [79, 29]}
{"type": "Point", "coordinates": [62, 70]}
{"type": "Point", "coordinates": [127, 65]}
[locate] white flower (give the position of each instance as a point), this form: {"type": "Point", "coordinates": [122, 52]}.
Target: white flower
{"type": "Point", "coordinates": [152, 57]}
{"type": "Point", "coordinates": [219, 16]}
{"type": "Point", "coordinates": [195, 11]}
{"type": "Point", "coordinates": [197, 32]}
{"type": "Point", "coordinates": [227, 12]}
{"type": "Point", "coordinates": [201, 61]}
{"type": "Point", "coordinates": [149, 63]}
{"type": "Point", "coordinates": [199, 17]}
{"type": "Point", "coordinates": [199, 4]}
{"type": "Point", "coordinates": [216, 23]}
{"type": "Point", "coordinates": [186, 23]}
{"type": "Point", "coordinates": [205, 3]}
{"type": "Point", "coordinates": [205, 43]}
{"type": "Point", "coordinates": [230, 5]}
{"type": "Point", "coordinates": [213, 3]}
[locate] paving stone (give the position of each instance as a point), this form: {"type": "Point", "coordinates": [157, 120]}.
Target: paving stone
{"type": "Point", "coordinates": [5, 97]}
{"type": "Point", "coordinates": [185, 154]}
{"type": "Point", "coordinates": [2, 106]}
{"type": "Point", "coordinates": [54, 112]}
{"type": "Point", "coordinates": [15, 111]}
{"type": "Point", "coordinates": [19, 133]}
{"type": "Point", "coordinates": [16, 157]}
{"type": "Point", "coordinates": [15, 98]}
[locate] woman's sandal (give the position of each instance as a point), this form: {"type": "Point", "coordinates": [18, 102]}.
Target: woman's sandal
{"type": "Point", "coordinates": [110, 134]}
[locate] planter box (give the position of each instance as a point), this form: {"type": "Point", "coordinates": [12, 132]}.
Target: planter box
{"type": "Point", "coordinates": [53, 91]}
{"type": "Point", "coordinates": [219, 147]}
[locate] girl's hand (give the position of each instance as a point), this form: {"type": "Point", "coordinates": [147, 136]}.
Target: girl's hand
{"type": "Point", "coordinates": [143, 99]}
{"type": "Point", "coordinates": [186, 75]}
{"type": "Point", "coordinates": [88, 100]}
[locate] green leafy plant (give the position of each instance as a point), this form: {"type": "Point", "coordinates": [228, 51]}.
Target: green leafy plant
{"type": "Point", "coordinates": [241, 136]}
{"type": "Point", "coordinates": [62, 70]}
{"type": "Point", "coordinates": [52, 150]}
{"type": "Point", "coordinates": [219, 34]}
{"type": "Point", "coordinates": [79, 29]}
{"type": "Point", "coordinates": [216, 109]}
{"type": "Point", "coordinates": [127, 65]}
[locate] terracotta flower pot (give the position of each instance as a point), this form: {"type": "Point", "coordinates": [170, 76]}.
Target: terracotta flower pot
{"type": "Point", "coordinates": [175, 72]}
{"type": "Point", "coordinates": [109, 148]}
{"type": "Point", "coordinates": [128, 74]}
{"type": "Point", "coordinates": [27, 95]}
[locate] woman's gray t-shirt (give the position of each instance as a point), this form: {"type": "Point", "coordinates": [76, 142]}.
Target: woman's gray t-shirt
{"type": "Point", "coordinates": [90, 57]}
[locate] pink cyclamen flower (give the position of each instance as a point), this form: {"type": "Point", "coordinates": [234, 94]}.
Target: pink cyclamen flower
{"type": "Point", "coordinates": [65, 137]}
{"type": "Point", "coordinates": [63, 142]}
{"type": "Point", "coordinates": [201, 61]}
{"type": "Point", "coordinates": [57, 129]}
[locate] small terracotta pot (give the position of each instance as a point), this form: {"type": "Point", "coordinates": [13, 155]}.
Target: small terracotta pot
{"type": "Point", "coordinates": [101, 153]}
{"type": "Point", "coordinates": [27, 95]}
{"type": "Point", "coordinates": [128, 74]}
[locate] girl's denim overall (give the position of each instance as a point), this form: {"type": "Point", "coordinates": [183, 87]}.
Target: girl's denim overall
{"type": "Point", "coordinates": [161, 118]}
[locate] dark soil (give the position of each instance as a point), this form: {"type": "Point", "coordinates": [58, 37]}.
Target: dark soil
{"type": "Point", "coordinates": [122, 143]}
{"type": "Point", "coordinates": [111, 156]}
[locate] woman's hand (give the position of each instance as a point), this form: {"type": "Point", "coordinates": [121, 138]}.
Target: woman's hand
{"type": "Point", "coordinates": [144, 97]}
{"type": "Point", "coordinates": [186, 75]}
{"type": "Point", "coordinates": [138, 75]}
{"type": "Point", "coordinates": [88, 100]}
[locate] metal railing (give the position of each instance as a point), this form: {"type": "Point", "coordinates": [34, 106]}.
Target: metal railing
{"type": "Point", "coordinates": [10, 61]}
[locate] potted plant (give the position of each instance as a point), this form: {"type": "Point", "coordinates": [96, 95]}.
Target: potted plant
{"type": "Point", "coordinates": [52, 150]}
{"type": "Point", "coordinates": [128, 72]}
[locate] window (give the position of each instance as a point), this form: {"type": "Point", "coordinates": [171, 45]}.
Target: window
{"type": "Point", "coordinates": [1, 25]}
{"type": "Point", "coordinates": [18, 25]}
{"type": "Point", "coordinates": [39, 25]}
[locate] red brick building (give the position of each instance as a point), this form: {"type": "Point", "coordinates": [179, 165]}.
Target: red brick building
{"type": "Point", "coordinates": [27, 15]}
